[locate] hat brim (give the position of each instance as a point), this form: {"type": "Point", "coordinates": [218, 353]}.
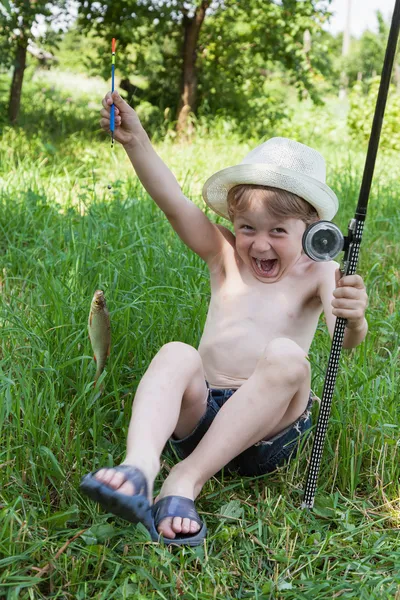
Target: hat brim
{"type": "Point", "coordinates": [317, 193]}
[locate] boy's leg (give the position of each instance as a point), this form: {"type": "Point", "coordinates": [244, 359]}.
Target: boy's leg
{"type": "Point", "coordinates": [273, 397]}
{"type": "Point", "coordinates": [171, 398]}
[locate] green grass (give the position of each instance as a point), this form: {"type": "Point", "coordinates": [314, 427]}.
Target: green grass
{"type": "Point", "coordinates": [63, 235]}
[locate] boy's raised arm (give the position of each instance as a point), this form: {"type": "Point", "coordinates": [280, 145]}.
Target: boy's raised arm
{"type": "Point", "coordinates": [190, 223]}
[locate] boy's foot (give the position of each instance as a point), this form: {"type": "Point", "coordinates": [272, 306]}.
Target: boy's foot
{"type": "Point", "coordinates": [124, 490]}
{"type": "Point", "coordinates": [178, 484]}
{"type": "Point", "coordinates": [119, 479]}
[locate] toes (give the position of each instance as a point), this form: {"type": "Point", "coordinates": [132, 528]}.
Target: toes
{"type": "Point", "coordinates": [177, 524]}
{"type": "Point", "coordinates": [127, 488]}
{"type": "Point", "coordinates": [165, 528]}
{"type": "Point", "coordinates": [116, 480]}
{"type": "Point", "coordinates": [194, 527]}
{"type": "Point", "coordinates": [169, 527]}
{"type": "Point", "coordinates": [104, 475]}
{"type": "Point", "coordinates": [185, 525]}
{"type": "Point", "coordinates": [99, 475]}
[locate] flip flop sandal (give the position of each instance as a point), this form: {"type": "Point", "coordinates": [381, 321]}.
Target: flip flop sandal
{"type": "Point", "coordinates": [134, 508]}
{"type": "Point", "coordinates": [177, 506]}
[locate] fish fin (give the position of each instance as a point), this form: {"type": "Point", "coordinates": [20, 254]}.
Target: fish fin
{"type": "Point", "coordinates": [90, 319]}
{"type": "Point", "coordinates": [95, 359]}
{"type": "Point", "coordinates": [109, 351]}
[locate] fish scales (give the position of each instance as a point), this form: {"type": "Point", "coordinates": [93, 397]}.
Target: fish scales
{"type": "Point", "coordinates": [99, 329]}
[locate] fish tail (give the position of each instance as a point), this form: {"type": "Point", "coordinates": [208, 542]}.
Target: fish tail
{"type": "Point", "coordinates": [97, 375]}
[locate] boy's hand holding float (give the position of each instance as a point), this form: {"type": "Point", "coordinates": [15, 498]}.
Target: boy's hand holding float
{"type": "Point", "coordinates": [128, 128]}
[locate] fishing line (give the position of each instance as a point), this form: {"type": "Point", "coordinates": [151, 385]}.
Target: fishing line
{"type": "Point", "coordinates": [327, 241]}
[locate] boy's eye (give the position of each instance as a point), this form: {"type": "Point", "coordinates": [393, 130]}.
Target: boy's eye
{"type": "Point", "coordinates": [279, 230]}
{"type": "Point", "coordinates": [246, 227]}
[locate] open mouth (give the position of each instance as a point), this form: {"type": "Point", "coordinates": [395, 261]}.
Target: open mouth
{"type": "Point", "coordinates": [266, 267]}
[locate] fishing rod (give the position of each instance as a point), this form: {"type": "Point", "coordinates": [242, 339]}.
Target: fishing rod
{"type": "Point", "coordinates": [324, 241]}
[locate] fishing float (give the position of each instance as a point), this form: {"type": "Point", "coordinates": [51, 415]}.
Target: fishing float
{"type": "Point", "coordinates": [112, 112]}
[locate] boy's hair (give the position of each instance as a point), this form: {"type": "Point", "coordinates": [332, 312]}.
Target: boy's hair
{"type": "Point", "coordinates": [280, 203]}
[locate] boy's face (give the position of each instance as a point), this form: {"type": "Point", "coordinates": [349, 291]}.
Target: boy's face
{"type": "Point", "coordinates": [268, 246]}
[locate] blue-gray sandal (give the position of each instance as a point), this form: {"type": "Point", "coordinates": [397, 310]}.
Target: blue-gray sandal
{"type": "Point", "coordinates": [177, 506]}
{"type": "Point", "coordinates": [134, 508]}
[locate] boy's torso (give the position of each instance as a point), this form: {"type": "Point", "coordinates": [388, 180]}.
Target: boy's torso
{"type": "Point", "coordinates": [245, 315]}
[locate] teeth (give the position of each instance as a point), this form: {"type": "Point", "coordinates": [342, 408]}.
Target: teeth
{"type": "Point", "coordinates": [259, 261]}
{"type": "Point", "coordinates": [259, 264]}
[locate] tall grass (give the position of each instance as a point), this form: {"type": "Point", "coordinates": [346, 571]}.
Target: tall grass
{"type": "Point", "coordinates": [65, 234]}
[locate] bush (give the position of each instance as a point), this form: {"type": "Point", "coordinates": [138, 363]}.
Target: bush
{"type": "Point", "coordinates": [361, 113]}
{"type": "Point", "coordinates": [153, 119]}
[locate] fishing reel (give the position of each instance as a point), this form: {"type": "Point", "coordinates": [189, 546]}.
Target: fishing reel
{"type": "Point", "coordinates": [323, 241]}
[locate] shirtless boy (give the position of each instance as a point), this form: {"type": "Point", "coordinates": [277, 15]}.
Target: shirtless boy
{"type": "Point", "coordinates": [242, 400]}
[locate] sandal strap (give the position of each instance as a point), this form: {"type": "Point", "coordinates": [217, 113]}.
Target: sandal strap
{"type": "Point", "coordinates": [175, 506]}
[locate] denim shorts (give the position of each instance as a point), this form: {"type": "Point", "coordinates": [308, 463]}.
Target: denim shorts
{"type": "Point", "coordinates": [264, 456]}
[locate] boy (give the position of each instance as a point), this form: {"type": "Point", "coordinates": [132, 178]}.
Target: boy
{"type": "Point", "coordinates": [242, 399]}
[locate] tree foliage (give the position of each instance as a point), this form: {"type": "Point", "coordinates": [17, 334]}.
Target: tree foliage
{"type": "Point", "coordinates": [363, 62]}
{"type": "Point", "coordinates": [368, 52]}
{"type": "Point", "coordinates": [361, 114]}
{"type": "Point", "coordinates": [244, 45]}
{"type": "Point", "coordinates": [17, 20]}
{"type": "Point", "coordinates": [240, 45]}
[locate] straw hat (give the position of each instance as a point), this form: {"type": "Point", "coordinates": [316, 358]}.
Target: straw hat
{"type": "Point", "coordinates": [280, 163]}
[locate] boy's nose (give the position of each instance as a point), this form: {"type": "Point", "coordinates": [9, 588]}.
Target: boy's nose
{"type": "Point", "coordinates": [261, 244]}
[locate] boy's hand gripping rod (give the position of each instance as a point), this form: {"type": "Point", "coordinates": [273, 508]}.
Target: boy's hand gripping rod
{"type": "Point", "coordinates": [351, 246]}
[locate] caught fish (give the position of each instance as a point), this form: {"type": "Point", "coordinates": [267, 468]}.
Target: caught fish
{"type": "Point", "coordinates": [99, 331]}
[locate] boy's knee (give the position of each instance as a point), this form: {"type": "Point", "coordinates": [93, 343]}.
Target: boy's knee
{"type": "Point", "coordinates": [180, 351]}
{"type": "Point", "coordinates": [285, 359]}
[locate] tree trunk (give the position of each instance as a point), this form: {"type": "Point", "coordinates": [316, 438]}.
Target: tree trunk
{"type": "Point", "coordinates": [128, 87]}
{"type": "Point", "coordinates": [18, 76]}
{"type": "Point", "coordinates": [187, 101]}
